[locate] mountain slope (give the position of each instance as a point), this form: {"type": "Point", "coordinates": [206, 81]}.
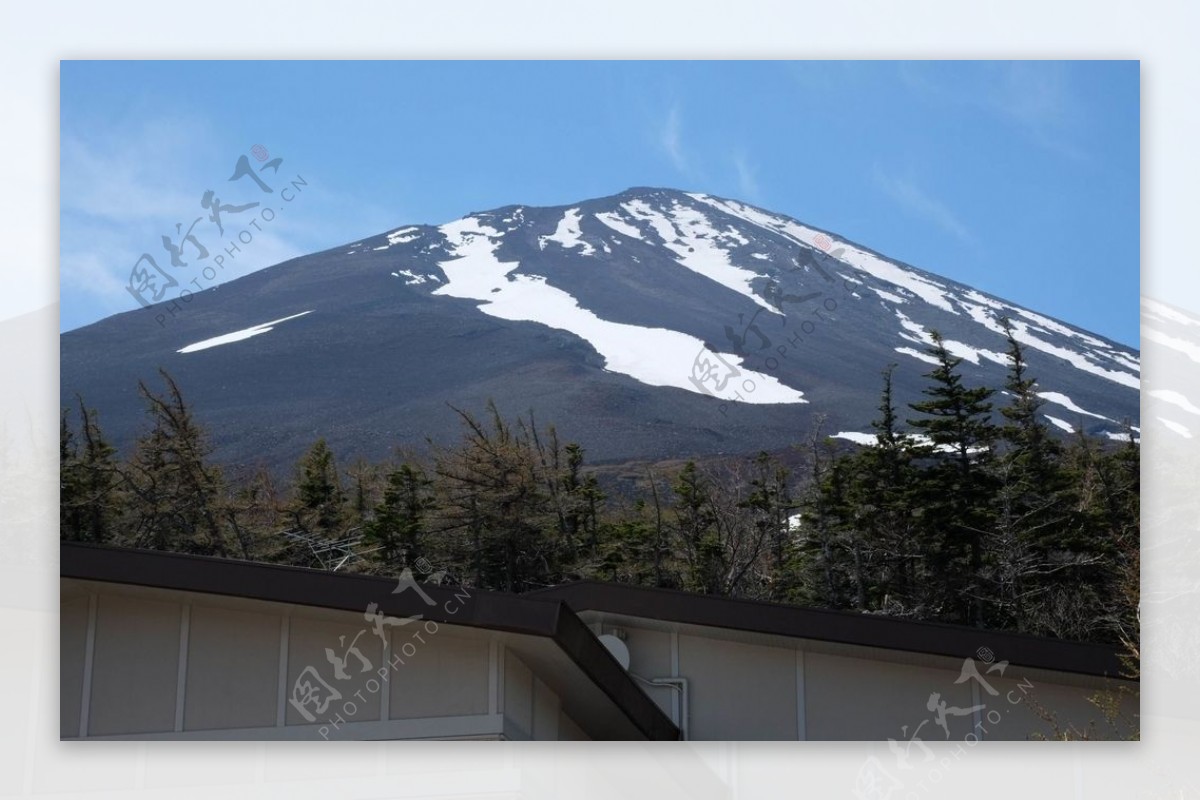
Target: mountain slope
{"type": "Point", "coordinates": [651, 324]}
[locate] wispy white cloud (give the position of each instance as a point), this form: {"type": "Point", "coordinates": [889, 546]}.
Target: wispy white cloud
{"type": "Point", "coordinates": [920, 204]}
{"type": "Point", "coordinates": [122, 191]}
{"type": "Point", "coordinates": [128, 178]}
{"type": "Point", "coordinates": [1035, 97]}
{"type": "Point", "coordinates": [747, 176]}
{"type": "Point", "coordinates": [671, 139]}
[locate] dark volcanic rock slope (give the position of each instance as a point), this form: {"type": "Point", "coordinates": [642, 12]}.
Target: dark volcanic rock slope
{"type": "Point", "coordinates": [651, 324]}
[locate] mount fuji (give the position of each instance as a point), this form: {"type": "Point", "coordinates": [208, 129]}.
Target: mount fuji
{"type": "Point", "coordinates": [653, 324]}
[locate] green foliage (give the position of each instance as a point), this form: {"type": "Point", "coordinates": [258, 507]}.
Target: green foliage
{"type": "Point", "coordinates": [175, 496]}
{"type": "Point", "coordinates": [958, 487]}
{"type": "Point", "coordinates": [499, 494]}
{"type": "Point", "coordinates": [973, 515]}
{"type": "Point", "coordinates": [90, 485]}
{"type": "Point", "coordinates": [398, 525]}
{"type": "Point", "coordinates": [319, 505]}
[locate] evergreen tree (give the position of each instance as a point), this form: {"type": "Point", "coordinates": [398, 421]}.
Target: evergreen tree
{"type": "Point", "coordinates": [583, 499]}
{"type": "Point", "coordinates": [398, 526]}
{"type": "Point", "coordinates": [175, 494]}
{"type": "Point", "coordinates": [816, 572]}
{"type": "Point", "coordinates": [958, 489]}
{"type": "Point", "coordinates": [695, 528]}
{"type": "Point", "coordinates": [319, 503]}
{"type": "Point", "coordinates": [364, 491]}
{"type": "Point", "coordinates": [1002, 527]}
{"type": "Point", "coordinates": [770, 507]}
{"type": "Point", "coordinates": [1030, 445]}
{"type": "Point", "coordinates": [1106, 489]}
{"type": "Point", "coordinates": [492, 493]}
{"type": "Point", "coordinates": [91, 502]}
{"type": "Point", "coordinates": [255, 513]}
{"type": "Point", "coordinates": [883, 491]}
{"type": "Point", "coordinates": [1032, 520]}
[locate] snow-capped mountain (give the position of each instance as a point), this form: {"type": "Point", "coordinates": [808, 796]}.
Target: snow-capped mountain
{"type": "Point", "coordinates": [651, 324]}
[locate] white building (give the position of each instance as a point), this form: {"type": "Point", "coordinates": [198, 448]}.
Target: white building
{"type": "Point", "coordinates": [159, 645]}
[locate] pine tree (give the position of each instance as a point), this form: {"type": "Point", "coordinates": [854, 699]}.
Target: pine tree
{"type": "Point", "coordinates": [822, 567]}
{"type": "Point", "coordinates": [696, 533]}
{"type": "Point", "coordinates": [816, 572]}
{"type": "Point", "coordinates": [399, 523]}
{"type": "Point", "coordinates": [176, 495]}
{"type": "Point", "coordinates": [319, 504]}
{"type": "Point", "coordinates": [770, 503]}
{"type": "Point", "coordinates": [493, 495]}
{"type": "Point", "coordinates": [1032, 520]}
{"type": "Point", "coordinates": [364, 493]}
{"type": "Point", "coordinates": [255, 513]}
{"type": "Point", "coordinates": [883, 491]}
{"type": "Point", "coordinates": [91, 502]}
{"type": "Point", "coordinates": [958, 489]}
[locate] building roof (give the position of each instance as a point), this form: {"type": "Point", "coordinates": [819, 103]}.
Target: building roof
{"type": "Point", "coordinates": [547, 618]}
{"type": "Point", "coordinates": [553, 615]}
{"type": "Point", "coordinates": [849, 628]}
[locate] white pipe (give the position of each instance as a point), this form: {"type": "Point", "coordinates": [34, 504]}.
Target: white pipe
{"type": "Point", "coordinates": [680, 685]}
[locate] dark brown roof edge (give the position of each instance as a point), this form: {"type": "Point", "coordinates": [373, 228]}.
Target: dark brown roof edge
{"type": "Point", "coordinates": [852, 628]}
{"type": "Point", "coordinates": [541, 617]}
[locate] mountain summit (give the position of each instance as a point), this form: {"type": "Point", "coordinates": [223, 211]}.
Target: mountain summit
{"type": "Point", "coordinates": [648, 325]}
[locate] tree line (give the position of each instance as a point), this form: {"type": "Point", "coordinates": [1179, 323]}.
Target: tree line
{"type": "Point", "coordinates": [972, 513]}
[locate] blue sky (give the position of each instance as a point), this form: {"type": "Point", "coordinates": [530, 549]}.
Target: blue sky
{"type": "Point", "coordinates": [1019, 178]}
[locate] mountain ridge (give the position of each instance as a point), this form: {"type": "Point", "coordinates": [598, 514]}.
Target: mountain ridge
{"type": "Point", "coordinates": [616, 318]}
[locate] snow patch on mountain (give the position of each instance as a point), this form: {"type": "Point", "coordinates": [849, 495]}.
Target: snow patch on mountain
{"type": "Point", "coordinates": [238, 336]}
{"type": "Point", "coordinates": [619, 225]}
{"type": "Point", "coordinates": [871, 440]}
{"type": "Point", "coordinates": [1063, 424]}
{"type": "Point", "coordinates": [931, 292]}
{"type": "Point", "coordinates": [917, 354]}
{"type": "Point", "coordinates": [1083, 361]}
{"type": "Point", "coordinates": [858, 437]}
{"type": "Point", "coordinates": [1059, 399]}
{"type": "Point", "coordinates": [937, 295]}
{"type": "Point", "coordinates": [693, 239]}
{"type": "Point", "coordinates": [987, 312]}
{"type": "Point", "coordinates": [888, 296]}
{"type": "Point", "coordinates": [962, 350]}
{"type": "Point", "coordinates": [981, 315]}
{"type": "Point", "coordinates": [403, 235]}
{"type": "Point", "coordinates": [1046, 324]}
{"type": "Point", "coordinates": [653, 356]}
{"type": "Point", "coordinates": [412, 279]}
{"type": "Point", "coordinates": [568, 234]}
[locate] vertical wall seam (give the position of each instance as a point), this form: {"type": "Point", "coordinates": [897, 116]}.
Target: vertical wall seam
{"type": "Point", "coordinates": [385, 689]}
{"type": "Point", "coordinates": [185, 626]}
{"type": "Point", "coordinates": [801, 707]}
{"type": "Point", "coordinates": [676, 700]}
{"type": "Point", "coordinates": [493, 678]}
{"type": "Point", "coordinates": [285, 623]}
{"type": "Point", "coordinates": [502, 694]}
{"type": "Point", "coordinates": [89, 651]}
{"type": "Point", "coordinates": [977, 713]}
